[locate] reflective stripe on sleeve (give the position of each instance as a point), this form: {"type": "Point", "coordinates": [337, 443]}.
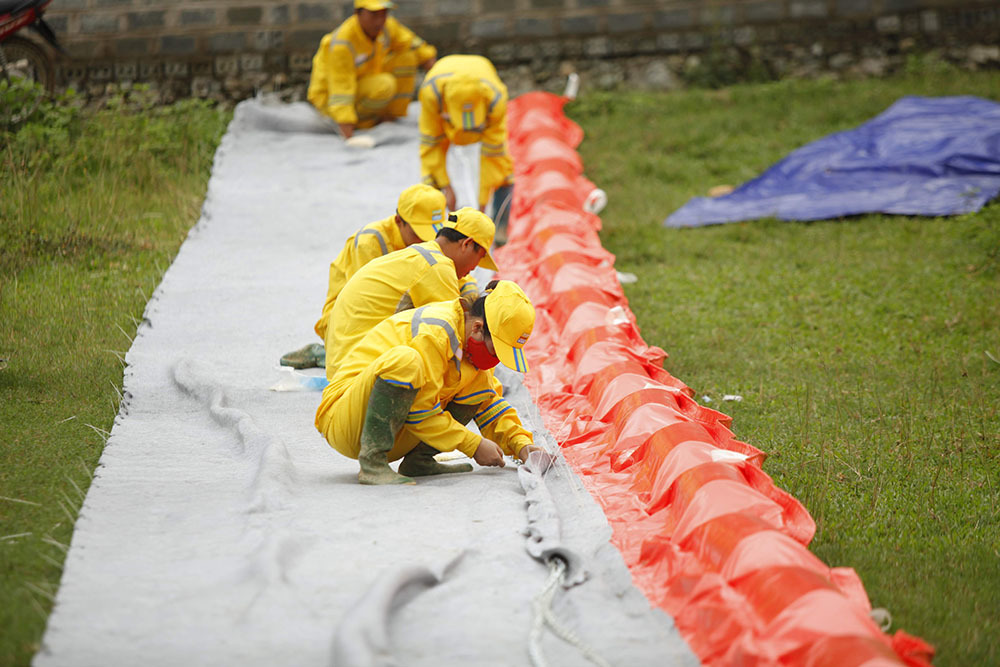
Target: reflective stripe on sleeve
{"type": "Point", "coordinates": [417, 416]}
{"type": "Point", "coordinates": [468, 399]}
{"type": "Point", "coordinates": [495, 409]}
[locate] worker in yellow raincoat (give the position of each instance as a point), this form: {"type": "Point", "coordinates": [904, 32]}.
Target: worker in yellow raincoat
{"type": "Point", "coordinates": [365, 70]}
{"type": "Point", "coordinates": [415, 276]}
{"type": "Point", "coordinates": [420, 211]}
{"type": "Point", "coordinates": [394, 395]}
{"type": "Point", "coordinates": [463, 101]}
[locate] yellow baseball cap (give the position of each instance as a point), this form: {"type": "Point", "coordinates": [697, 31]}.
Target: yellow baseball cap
{"type": "Point", "coordinates": [465, 99]}
{"type": "Point", "coordinates": [374, 5]}
{"type": "Point", "coordinates": [424, 208]}
{"type": "Point", "coordinates": [510, 318]}
{"type": "Point", "coordinates": [478, 227]}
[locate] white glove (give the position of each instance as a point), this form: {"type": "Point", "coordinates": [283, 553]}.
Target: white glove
{"type": "Point", "coordinates": [360, 141]}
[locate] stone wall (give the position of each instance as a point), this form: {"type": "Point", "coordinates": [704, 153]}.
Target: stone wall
{"type": "Point", "coordinates": [226, 49]}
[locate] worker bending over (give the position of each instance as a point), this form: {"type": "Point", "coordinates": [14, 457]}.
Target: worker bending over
{"type": "Point", "coordinates": [419, 211]}
{"type": "Point", "coordinates": [394, 395]}
{"type": "Point", "coordinates": [418, 275]}
{"type": "Point", "coordinates": [463, 101]}
{"type": "Point", "coordinates": [365, 70]}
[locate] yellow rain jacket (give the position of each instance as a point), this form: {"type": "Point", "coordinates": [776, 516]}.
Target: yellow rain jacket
{"type": "Point", "coordinates": [347, 55]}
{"type": "Point", "coordinates": [438, 130]}
{"type": "Point", "coordinates": [374, 292]}
{"type": "Point", "coordinates": [422, 349]}
{"type": "Point", "coordinates": [373, 240]}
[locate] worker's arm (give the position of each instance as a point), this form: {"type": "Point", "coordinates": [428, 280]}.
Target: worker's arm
{"type": "Point", "coordinates": [496, 418]}
{"type": "Point", "coordinates": [433, 141]}
{"type": "Point", "coordinates": [403, 39]}
{"type": "Point", "coordinates": [496, 167]}
{"type": "Point", "coordinates": [341, 83]}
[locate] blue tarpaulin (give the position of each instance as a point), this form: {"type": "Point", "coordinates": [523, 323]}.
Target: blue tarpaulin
{"type": "Point", "coordinates": [922, 156]}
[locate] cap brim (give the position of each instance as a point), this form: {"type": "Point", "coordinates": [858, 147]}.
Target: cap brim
{"type": "Point", "coordinates": [511, 357]}
{"type": "Point", "coordinates": [424, 232]}
{"type": "Point", "coordinates": [487, 262]}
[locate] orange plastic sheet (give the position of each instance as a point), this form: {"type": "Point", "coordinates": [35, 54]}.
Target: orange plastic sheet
{"type": "Point", "coordinates": [707, 535]}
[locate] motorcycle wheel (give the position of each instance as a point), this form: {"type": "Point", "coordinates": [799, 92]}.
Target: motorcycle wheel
{"type": "Point", "coordinates": [24, 60]}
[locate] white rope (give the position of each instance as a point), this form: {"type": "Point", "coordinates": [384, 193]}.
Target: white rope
{"type": "Point", "coordinates": [542, 606]}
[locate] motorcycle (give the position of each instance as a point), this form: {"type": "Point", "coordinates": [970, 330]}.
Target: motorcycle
{"type": "Point", "coordinates": [22, 59]}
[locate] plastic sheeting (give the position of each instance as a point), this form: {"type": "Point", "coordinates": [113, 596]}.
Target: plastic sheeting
{"type": "Point", "coordinates": [707, 535]}
{"type": "Point", "coordinates": [922, 156]}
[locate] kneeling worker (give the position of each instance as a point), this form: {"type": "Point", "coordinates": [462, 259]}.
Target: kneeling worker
{"type": "Point", "coordinates": [365, 70]}
{"type": "Point", "coordinates": [385, 400]}
{"type": "Point", "coordinates": [419, 212]}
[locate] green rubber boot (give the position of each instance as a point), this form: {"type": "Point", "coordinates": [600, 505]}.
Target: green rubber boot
{"type": "Point", "coordinates": [312, 355]}
{"type": "Point", "coordinates": [463, 414]}
{"type": "Point", "coordinates": [420, 461]}
{"type": "Point", "coordinates": [387, 409]}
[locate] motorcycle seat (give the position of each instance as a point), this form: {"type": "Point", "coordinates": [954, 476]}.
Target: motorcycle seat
{"type": "Point", "coordinates": [18, 6]}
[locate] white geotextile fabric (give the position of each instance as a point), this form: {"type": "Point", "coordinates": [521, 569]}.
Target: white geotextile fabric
{"type": "Point", "coordinates": [221, 529]}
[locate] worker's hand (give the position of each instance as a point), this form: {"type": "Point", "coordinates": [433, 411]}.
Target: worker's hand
{"type": "Point", "coordinates": [489, 453]}
{"type": "Point", "coordinates": [346, 130]}
{"type": "Point", "coordinates": [538, 459]}
{"type": "Point", "coordinates": [429, 63]}
{"type": "Point", "coordinates": [449, 196]}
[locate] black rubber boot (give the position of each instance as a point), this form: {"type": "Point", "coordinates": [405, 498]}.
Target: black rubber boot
{"type": "Point", "coordinates": [420, 461]}
{"type": "Point", "coordinates": [386, 412]}
{"type": "Point", "coordinates": [312, 355]}
{"type": "Point", "coordinates": [503, 198]}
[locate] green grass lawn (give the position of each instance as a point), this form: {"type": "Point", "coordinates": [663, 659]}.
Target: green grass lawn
{"type": "Point", "coordinates": [93, 210]}
{"type": "Point", "coordinates": [861, 347]}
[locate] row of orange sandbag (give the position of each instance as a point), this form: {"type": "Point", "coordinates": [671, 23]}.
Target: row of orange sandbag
{"type": "Point", "coordinates": [707, 535]}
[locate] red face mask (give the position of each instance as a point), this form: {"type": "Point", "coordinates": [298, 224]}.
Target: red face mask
{"type": "Point", "coordinates": [479, 354]}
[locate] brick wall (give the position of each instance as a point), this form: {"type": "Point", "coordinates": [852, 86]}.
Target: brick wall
{"type": "Point", "coordinates": [226, 48]}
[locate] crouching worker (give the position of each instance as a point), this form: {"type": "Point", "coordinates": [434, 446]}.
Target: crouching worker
{"type": "Point", "coordinates": [420, 274]}
{"type": "Point", "coordinates": [420, 212]}
{"type": "Point", "coordinates": [364, 72]}
{"type": "Point", "coordinates": [389, 397]}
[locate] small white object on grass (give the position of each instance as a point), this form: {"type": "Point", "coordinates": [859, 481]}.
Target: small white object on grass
{"type": "Point", "coordinates": [595, 201]}
{"type": "Point", "coordinates": [360, 141]}
{"type": "Point", "coordinates": [626, 278]}
{"type": "Point", "coordinates": [727, 456]}
{"type": "Point", "coordinates": [732, 397]}
{"type": "Point", "coordinates": [572, 86]}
